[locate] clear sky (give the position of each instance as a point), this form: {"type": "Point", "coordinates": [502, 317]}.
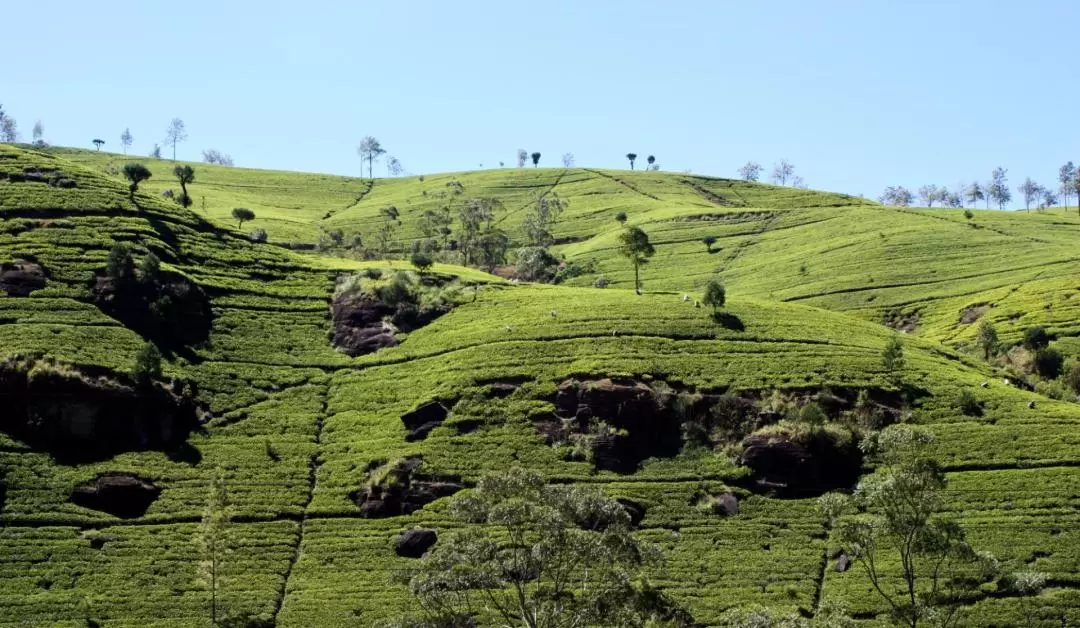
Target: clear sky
{"type": "Point", "coordinates": [857, 94]}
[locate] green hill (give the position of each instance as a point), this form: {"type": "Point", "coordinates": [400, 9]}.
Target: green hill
{"type": "Point", "coordinates": [302, 430]}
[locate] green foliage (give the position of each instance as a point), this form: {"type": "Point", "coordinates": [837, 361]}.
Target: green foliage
{"type": "Point", "coordinates": [147, 365]}
{"type": "Point", "coordinates": [421, 261]}
{"type": "Point", "coordinates": [715, 295]}
{"type": "Point", "coordinates": [1048, 362]}
{"type": "Point", "coordinates": [214, 540]}
{"type": "Point", "coordinates": [1036, 338]}
{"type": "Point", "coordinates": [242, 215]}
{"type": "Point", "coordinates": [709, 241]}
{"type": "Point", "coordinates": [968, 404]}
{"type": "Point", "coordinates": [541, 219]}
{"type": "Point", "coordinates": [535, 264]}
{"type": "Point", "coordinates": [121, 264]}
{"type": "Point", "coordinates": [892, 358]}
{"type": "Point", "coordinates": [620, 217]}
{"type": "Point", "coordinates": [149, 268]}
{"type": "Point", "coordinates": [987, 338]}
{"type": "Point", "coordinates": [634, 245]}
{"type": "Point", "coordinates": [136, 174]}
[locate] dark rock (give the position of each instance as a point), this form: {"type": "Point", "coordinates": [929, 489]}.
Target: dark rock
{"type": "Point", "coordinates": [21, 278]}
{"type": "Point", "coordinates": [1031, 404]}
{"type": "Point", "coordinates": [402, 491]}
{"type": "Point", "coordinates": [503, 389]}
{"type": "Point", "coordinates": [843, 563]}
{"type": "Point", "coordinates": [123, 496]}
{"type": "Point", "coordinates": [726, 505]}
{"type": "Point", "coordinates": [814, 465]}
{"type": "Point", "coordinates": [768, 417]}
{"type": "Point", "coordinates": [364, 324]}
{"type": "Point", "coordinates": [170, 310]}
{"type": "Point", "coordinates": [423, 419]}
{"type": "Point", "coordinates": [467, 426]}
{"type": "Point", "coordinates": [636, 510]}
{"type": "Point", "coordinates": [414, 543]}
{"type": "Point", "coordinates": [78, 418]}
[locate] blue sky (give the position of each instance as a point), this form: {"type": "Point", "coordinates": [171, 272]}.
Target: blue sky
{"type": "Point", "coordinates": [857, 94]}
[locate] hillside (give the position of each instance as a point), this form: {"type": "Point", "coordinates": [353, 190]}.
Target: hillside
{"type": "Point", "coordinates": [301, 429]}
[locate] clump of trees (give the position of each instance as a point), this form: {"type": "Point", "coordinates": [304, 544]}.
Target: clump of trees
{"type": "Point", "coordinates": [9, 129]}
{"type": "Point", "coordinates": [214, 156]}
{"type": "Point", "coordinates": [782, 171]}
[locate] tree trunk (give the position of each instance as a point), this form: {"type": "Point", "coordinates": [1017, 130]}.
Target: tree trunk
{"type": "Point", "coordinates": [637, 282]}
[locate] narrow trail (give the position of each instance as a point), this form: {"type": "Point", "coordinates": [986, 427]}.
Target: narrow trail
{"type": "Point", "coordinates": [622, 182]}
{"type": "Point", "coordinates": [711, 196]}
{"type": "Point", "coordinates": [313, 471]}
{"type": "Point", "coordinates": [526, 206]}
{"type": "Point", "coordinates": [356, 201]}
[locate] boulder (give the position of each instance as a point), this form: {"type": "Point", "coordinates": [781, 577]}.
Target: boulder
{"type": "Point", "coordinates": [21, 278]}
{"type": "Point", "coordinates": [124, 496]}
{"type": "Point", "coordinates": [726, 505]}
{"type": "Point", "coordinates": [361, 324]}
{"type": "Point", "coordinates": [843, 563]}
{"type": "Point", "coordinates": [423, 419]}
{"type": "Point", "coordinates": [414, 543]}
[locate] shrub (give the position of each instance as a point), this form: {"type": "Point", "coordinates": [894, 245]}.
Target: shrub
{"type": "Point", "coordinates": [708, 241]}
{"type": "Point", "coordinates": [620, 217]}
{"type": "Point", "coordinates": [1048, 362]}
{"type": "Point", "coordinates": [968, 214]}
{"type": "Point", "coordinates": [242, 215]}
{"type": "Point", "coordinates": [398, 290]}
{"type": "Point", "coordinates": [121, 265]}
{"type": "Point", "coordinates": [147, 364]}
{"type": "Point", "coordinates": [601, 282]}
{"type": "Point", "coordinates": [1036, 338]}
{"type": "Point", "coordinates": [570, 270]}
{"type": "Point", "coordinates": [534, 263]}
{"type": "Point", "coordinates": [169, 194]}
{"type": "Point", "coordinates": [968, 404]}
{"type": "Point", "coordinates": [149, 268]}
{"type": "Point", "coordinates": [373, 273]}
{"type": "Point", "coordinates": [1072, 376]}
{"type": "Point", "coordinates": [422, 261]}
{"type": "Point", "coordinates": [812, 414]}
{"type": "Point", "coordinates": [258, 235]}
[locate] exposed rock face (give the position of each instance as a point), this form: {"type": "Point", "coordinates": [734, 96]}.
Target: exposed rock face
{"type": "Point", "coordinates": [170, 310]}
{"type": "Point", "coordinates": [636, 510]}
{"type": "Point", "coordinates": [401, 491]}
{"type": "Point", "coordinates": [415, 543]}
{"type": "Point", "coordinates": [123, 496]}
{"type": "Point", "coordinates": [21, 278]}
{"type": "Point", "coordinates": [423, 419]}
{"type": "Point", "coordinates": [80, 418]}
{"type": "Point", "coordinates": [812, 466]}
{"type": "Point", "coordinates": [364, 324]}
{"type": "Point", "coordinates": [622, 419]}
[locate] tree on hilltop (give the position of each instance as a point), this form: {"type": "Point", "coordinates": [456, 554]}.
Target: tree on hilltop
{"type": "Point", "coordinates": [750, 171]}
{"type": "Point", "coordinates": [1030, 191]}
{"type": "Point", "coordinates": [242, 215]}
{"type": "Point", "coordinates": [98, 143]}
{"type": "Point", "coordinates": [175, 134]}
{"type": "Point", "coordinates": [634, 245]}
{"type": "Point", "coordinates": [897, 195]}
{"type": "Point", "coordinates": [136, 174]}
{"type": "Point", "coordinates": [535, 159]}
{"type": "Point", "coordinates": [782, 172]}
{"type": "Point", "coordinates": [651, 160]}
{"type": "Point", "coordinates": [631, 157]}
{"type": "Point", "coordinates": [522, 157]}
{"type": "Point", "coordinates": [369, 149]}
{"type": "Point", "coordinates": [1067, 181]}
{"type": "Point", "coordinates": [9, 130]}
{"type": "Point", "coordinates": [998, 189]}
{"type": "Point", "coordinates": [39, 133]}
{"type": "Point", "coordinates": [974, 193]}
{"type": "Point", "coordinates": [125, 140]}
{"type": "Point", "coordinates": [929, 194]}
{"type": "Point", "coordinates": [568, 160]}
{"type": "Point", "coordinates": [185, 175]}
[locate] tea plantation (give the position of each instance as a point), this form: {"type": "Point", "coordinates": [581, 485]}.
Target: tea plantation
{"type": "Point", "coordinates": [302, 431]}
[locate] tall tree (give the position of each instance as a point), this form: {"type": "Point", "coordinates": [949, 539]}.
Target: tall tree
{"type": "Point", "coordinates": [9, 130]}
{"type": "Point", "coordinates": [904, 527]}
{"type": "Point", "coordinates": [974, 193]}
{"type": "Point", "coordinates": [782, 172]}
{"type": "Point", "coordinates": [126, 139]}
{"type": "Point", "coordinates": [522, 157]}
{"type": "Point", "coordinates": [535, 556]}
{"type": "Point", "coordinates": [1076, 190]}
{"type": "Point", "coordinates": [634, 245]}
{"type": "Point", "coordinates": [175, 134]}
{"type": "Point", "coordinates": [477, 216]}
{"type": "Point", "coordinates": [185, 175]}
{"type": "Point", "coordinates": [213, 539]}
{"type": "Point", "coordinates": [535, 159]}
{"type": "Point", "coordinates": [1066, 182]}
{"type": "Point", "coordinates": [999, 188]}
{"type": "Point", "coordinates": [1030, 191]}
{"type": "Point", "coordinates": [651, 160]}
{"type": "Point", "coordinates": [394, 167]}
{"type": "Point", "coordinates": [369, 149]}
{"type": "Point", "coordinates": [568, 160]}
{"type": "Point", "coordinates": [39, 132]}
{"type": "Point", "coordinates": [541, 218]}
{"type": "Point", "coordinates": [1049, 197]}
{"type": "Point", "coordinates": [750, 171]}
{"type": "Point", "coordinates": [631, 157]}
{"type": "Point", "coordinates": [929, 194]}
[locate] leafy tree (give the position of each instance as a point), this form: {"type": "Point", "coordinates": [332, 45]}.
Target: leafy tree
{"type": "Point", "coordinates": [434, 223]}
{"type": "Point", "coordinates": [185, 175]}
{"type": "Point", "coordinates": [651, 160]}
{"type": "Point", "coordinates": [1030, 191]}
{"type": "Point", "coordinates": [892, 358]}
{"type": "Point", "coordinates": [974, 193]}
{"type": "Point", "coordinates": [634, 245]}
{"type": "Point", "coordinates": [136, 174]}
{"type": "Point", "coordinates": [1048, 362]}
{"type": "Point", "coordinates": [98, 143]}
{"type": "Point", "coordinates": [1036, 338]}
{"type": "Point", "coordinates": [782, 172]}
{"type": "Point", "coordinates": [568, 160]}
{"type": "Point", "coordinates": [522, 157]}
{"type": "Point", "coordinates": [39, 132]}
{"type": "Point", "coordinates": [897, 195]}
{"type": "Point", "coordinates": [535, 159]}
{"type": "Point", "coordinates": [999, 188]}
{"type": "Point", "coordinates": [120, 265]}
{"type": "Point", "coordinates": [390, 215]}
{"type": "Point", "coordinates": [902, 504]}
{"type": "Point", "coordinates": [149, 268]}
{"type": "Point", "coordinates": [175, 134]}
{"type": "Point", "coordinates": [394, 167]}
{"type": "Point", "coordinates": [541, 219]}
{"type": "Point", "coordinates": [968, 214]}
{"type": "Point", "coordinates": [126, 139]}
{"type": "Point", "coordinates": [1067, 181]}
{"type": "Point", "coordinates": [213, 539]}
{"type": "Point", "coordinates": [929, 194]}
{"type": "Point", "coordinates": [1076, 189]}
{"type": "Point", "coordinates": [631, 157]}
{"type": "Point", "coordinates": [953, 200]}
{"type": "Point", "coordinates": [492, 247]}
{"type": "Point", "coordinates": [156, 151]}
{"type": "Point", "coordinates": [709, 240]}
{"type": "Point", "coordinates": [987, 339]}
{"type": "Point", "coordinates": [242, 215]}
{"type": "Point", "coordinates": [147, 365]}
{"type": "Point", "coordinates": [214, 156]}
{"type": "Point", "coordinates": [9, 130]}
{"type": "Point", "coordinates": [536, 556]}
{"type": "Point", "coordinates": [715, 295]}
{"type": "Point", "coordinates": [369, 149]}
{"type": "Point", "coordinates": [1049, 198]}
{"type": "Point", "coordinates": [476, 215]}
{"type": "Point", "coordinates": [620, 217]}
{"type": "Point", "coordinates": [421, 261]}
{"type": "Point", "coordinates": [750, 171]}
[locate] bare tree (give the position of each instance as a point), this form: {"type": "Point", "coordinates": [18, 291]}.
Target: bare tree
{"type": "Point", "coordinates": [750, 171]}
{"type": "Point", "coordinates": [631, 157]}
{"type": "Point", "coordinates": [369, 149]}
{"type": "Point", "coordinates": [214, 156]}
{"type": "Point", "coordinates": [522, 157]}
{"type": "Point", "coordinates": [394, 167]}
{"type": "Point", "coordinates": [797, 182]}
{"type": "Point", "coordinates": [568, 160]}
{"type": "Point", "coordinates": [126, 139]}
{"type": "Point", "coordinates": [535, 159]}
{"type": "Point", "coordinates": [1030, 191]}
{"type": "Point", "coordinates": [175, 134]}
{"type": "Point", "coordinates": [782, 172]}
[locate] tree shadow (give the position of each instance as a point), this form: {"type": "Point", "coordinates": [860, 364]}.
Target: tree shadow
{"type": "Point", "coordinates": [727, 320]}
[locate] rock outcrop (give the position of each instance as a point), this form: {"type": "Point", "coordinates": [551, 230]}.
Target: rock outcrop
{"type": "Point", "coordinates": [801, 465]}
{"type": "Point", "coordinates": [401, 491]}
{"type": "Point", "coordinates": [424, 418]}
{"type": "Point", "coordinates": [21, 278]}
{"type": "Point", "coordinates": [120, 495]}
{"type": "Point", "coordinates": [169, 309]}
{"type": "Point", "coordinates": [363, 323]}
{"type": "Point", "coordinates": [415, 543]}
